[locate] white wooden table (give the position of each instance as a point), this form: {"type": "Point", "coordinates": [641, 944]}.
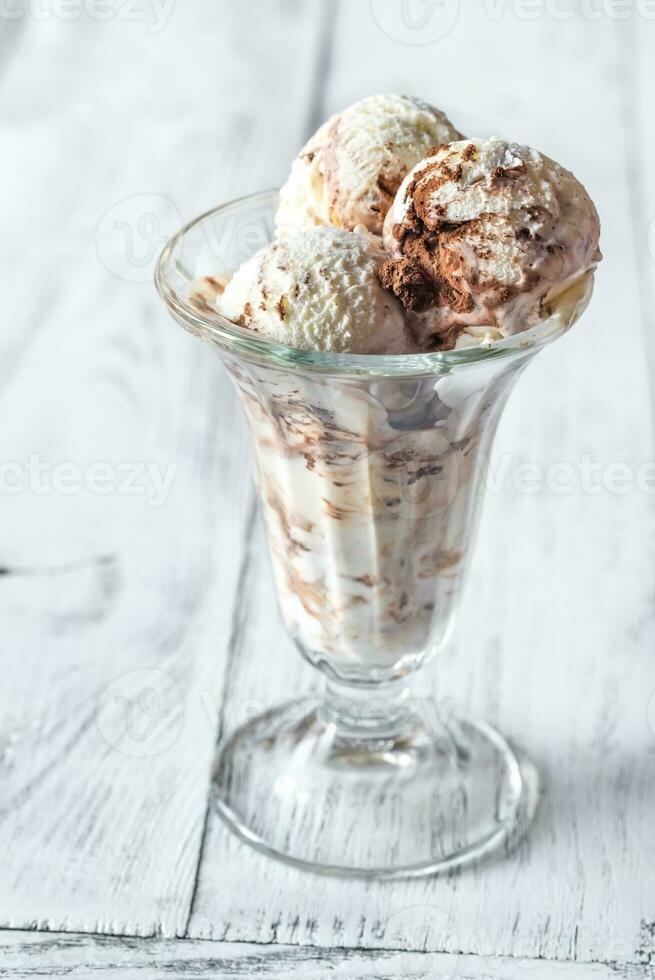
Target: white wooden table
{"type": "Point", "coordinates": [137, 617]}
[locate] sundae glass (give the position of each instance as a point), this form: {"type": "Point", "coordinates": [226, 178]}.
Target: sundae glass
{"type": "Point", "coordinates": [370, 473]}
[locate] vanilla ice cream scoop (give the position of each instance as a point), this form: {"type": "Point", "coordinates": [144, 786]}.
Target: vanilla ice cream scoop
{"type": "Point", "coordinates": [486, 233]}
{"type": "Point", "coordinates": [350, 170]}
{"type": "Point", "coordinates": [318, 290]}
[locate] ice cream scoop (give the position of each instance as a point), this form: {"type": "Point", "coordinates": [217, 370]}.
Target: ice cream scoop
{"type": "Point", "coordinates": [486, 233]}
{"type": "Point", "coordinates": [350, 170]}
{"type": "Point", "coordinates": [318, 289]}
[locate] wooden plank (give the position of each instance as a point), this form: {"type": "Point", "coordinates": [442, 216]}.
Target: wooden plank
{"type": "Point", "coordinates": [24, 954]}
{"type": "Point", "coordinates": [556, 630]}
{"type": "Point", "coordinates": [637, 78]}
{"type": "Point", "coordinates": [116, 608]}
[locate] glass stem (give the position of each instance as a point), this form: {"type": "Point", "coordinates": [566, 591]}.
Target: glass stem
{"type": "Point", "coordinates": [369, 712]}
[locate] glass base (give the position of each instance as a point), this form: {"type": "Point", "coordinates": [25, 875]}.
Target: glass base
{"type": "Point", "coordinates": [436, 794]}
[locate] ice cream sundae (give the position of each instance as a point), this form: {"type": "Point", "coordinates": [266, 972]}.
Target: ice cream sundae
{"type": "Point", "coordinates": [398, 238]}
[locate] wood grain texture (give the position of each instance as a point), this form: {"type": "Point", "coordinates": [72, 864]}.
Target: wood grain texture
{"type": "Point", "coordinates": [116, 608]}
{"type": "Point", "coordinates": [637, 77]}
{"type": "Point", "coordinates": [24, 955]}
{"type": "Point", "coordinates": [556, 631]}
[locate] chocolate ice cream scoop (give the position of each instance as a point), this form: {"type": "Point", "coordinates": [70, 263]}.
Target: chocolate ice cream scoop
{"type": "Point", "coordinates": [486, 233]}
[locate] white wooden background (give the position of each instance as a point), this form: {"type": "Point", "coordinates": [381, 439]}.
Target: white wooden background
{"type": "Point", "coordinates": [111, 864]}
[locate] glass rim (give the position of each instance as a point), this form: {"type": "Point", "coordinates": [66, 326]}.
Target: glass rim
{"type": "Point", "coordinates": [229, 336]}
